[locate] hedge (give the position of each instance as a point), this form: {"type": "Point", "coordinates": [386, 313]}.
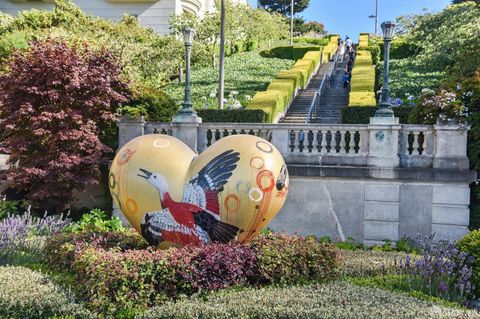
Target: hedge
{"type": "Point", "coordinates": [232, 116]}
{"type": "Point", "coordinates": [362, 87]}
{"type": "Point", "coordinates": [363, 40]}
{"type": "Point", "coordinates": [285, 85]}
{"type": "Point", "coordinates": [289, 52]}
{"type": "Point", "coordinates": [362, 114]}
{"type": "Point", "coordinates": [338, 300]}
{"type": "Point", "coordinates": [271, 102]}
{"type": "Point", "coordinates": [314, 56]}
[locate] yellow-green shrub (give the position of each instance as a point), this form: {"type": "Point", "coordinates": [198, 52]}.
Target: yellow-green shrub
{"type": "Point", "coordinates": [363, 79]}
{"type": "Point", "coordinates": [362, 99]}
{"type": "Point", "coordinates": [300, 80]}
{"type": "Point", "coordinates": [284, 85]}
{"type": "Point", "coordinates": [270, 101]}
{"type": "Point", "coordinates": [313, 56]}
{"type": "Point", "coordinates": [363, 39]}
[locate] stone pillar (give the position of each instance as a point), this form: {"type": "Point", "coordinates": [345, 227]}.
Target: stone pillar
{"type": "Point", "coordinates": [129, 128]}
{"type": "Point", "coordinates": [185, 128]}
{"type": "Point", "coordinates": [450, 147]}
{"type": "Point", "coordinates": [383, 147]}
{"type": "Point", "coordinates": [280, 138]}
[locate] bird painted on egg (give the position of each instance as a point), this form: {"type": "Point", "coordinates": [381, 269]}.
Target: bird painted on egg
{"type": "Point", "coordinates": [196, 218]}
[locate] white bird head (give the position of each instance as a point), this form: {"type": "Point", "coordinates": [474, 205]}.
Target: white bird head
{"type": "Point", "coordinates": [156, 180]}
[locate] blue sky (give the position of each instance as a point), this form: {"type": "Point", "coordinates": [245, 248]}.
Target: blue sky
{"type": "Point", "coordinates": [351, 16]}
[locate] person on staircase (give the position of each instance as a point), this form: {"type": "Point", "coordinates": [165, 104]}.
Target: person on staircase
{"type": "Point", "coordinates": [346, 80]}
{"type": "Point", "coordinates": [348, 43]}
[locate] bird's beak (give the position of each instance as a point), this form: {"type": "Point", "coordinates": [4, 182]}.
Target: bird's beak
{"type": "Point", "coordinates": [147, 173]}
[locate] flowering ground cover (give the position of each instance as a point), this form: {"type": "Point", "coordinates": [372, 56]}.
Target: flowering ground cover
{"type": "Point", "coordinates": [245, 74]}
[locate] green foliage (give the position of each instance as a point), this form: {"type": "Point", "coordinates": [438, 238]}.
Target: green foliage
{"type": "Point", "coordinates": [11, 207]}
{"type": "Point", "coordinates": [400, 283]}
{"type": "Point", "coordinates": [437, 106]}
{"type": "Point", "coordinates": [286, 259]}
{"type": "Point", "coordinates": [340, 300]}
{"type": "Point", "coordinates": [366, 263]}
{"type": "Point", "coordinates": [28, 294]}
{"type": "Point", "coordinates": [349, 244]}
{"type": "Point", "coordinates": [154, 104]}
{"type": "Point", "coordinates": [289, 52]}
{"type": "Point", "coordinates": [400, 48]}
{"type": "Point", "coordinates": [147, 57]}
{"type": "Point", "coordinates": [60, 249]}
{"type": "Point", "coordinates": [470, 244]}
{"type": "Point", "coordinates": [363, 80]}
{"type": "Point", "coordinates": [245, 74]}
{"type": "Point", "coordinates": [271, 102]}
{"type": "Point", "coordinates": [321, 42]}
{"type": "Point", "coordinates": [285, 6]}
{"type": "Point", "coordinates": [96, 221]}
{"type": "Point", "coordinates": [232, 116]}
{"type": "Point", "coordinates": [362, 114]}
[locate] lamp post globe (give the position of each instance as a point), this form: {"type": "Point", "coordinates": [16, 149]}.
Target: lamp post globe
{"type": "Point", "coordinates": [187, 109]}
{"type": "Point", "coordinates": [384, 107]}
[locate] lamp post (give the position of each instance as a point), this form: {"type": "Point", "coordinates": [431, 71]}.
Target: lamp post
{"type": "Point", "coordinates": [384, 107]}
{"type": "Point", "coordinates": [292, 12]}
{"type": "Point", "coordinates": [376, 17]}
{"type": "Point", "coordinates": [187, 109]}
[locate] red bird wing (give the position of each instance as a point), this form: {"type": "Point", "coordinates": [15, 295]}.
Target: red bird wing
{"type": "Point", "coordinates": [204, 188]}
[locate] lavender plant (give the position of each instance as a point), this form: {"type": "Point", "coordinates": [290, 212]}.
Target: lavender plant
{"type": "Point", "coordinates": [22, 236]}
{"type": "Point", "coordinates": [441, 270]}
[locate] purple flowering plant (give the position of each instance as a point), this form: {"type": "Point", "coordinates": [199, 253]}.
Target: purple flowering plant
{"type": "Point", "coordinates": [22, 236]}
{"type": "Point", "coordinates": [441, 270]}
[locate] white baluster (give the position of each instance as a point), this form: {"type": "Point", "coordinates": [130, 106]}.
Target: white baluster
{"type": "Point", "coordinates": [415, 145]}
{"type": "Point", "coordinates": [324, 142]}
{"type": "Point", "coordinates": [297, 142]}
{"type": "Point", "coordinates": [342, 143]}
{"type": "Point", "coordinates": [315, 141]}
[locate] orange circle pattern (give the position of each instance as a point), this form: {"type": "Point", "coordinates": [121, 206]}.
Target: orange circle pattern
{"type": "Point", "coordinates": [131, 206]}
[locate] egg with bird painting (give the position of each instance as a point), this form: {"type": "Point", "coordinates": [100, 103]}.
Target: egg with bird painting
{"type": "Point", "coordinates": [174, 197]}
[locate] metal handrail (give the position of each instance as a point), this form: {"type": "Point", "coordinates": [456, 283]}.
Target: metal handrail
{"type": "Point", "coordinates": [326, 79]}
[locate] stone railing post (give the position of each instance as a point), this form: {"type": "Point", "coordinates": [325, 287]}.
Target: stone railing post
{"type": "Point", "coordinates": [186, 130]}
{"type": "Point", "coordinates": [383, 146]}
{"type": "Point", "coordinates": [280, 138]}
{"type": "Point", "coordinates": [450, 147]}
{"type": "Point", "coordinates": [129, 128]}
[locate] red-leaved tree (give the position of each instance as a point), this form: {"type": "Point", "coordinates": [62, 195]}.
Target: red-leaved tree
{"type": "Point", "coordinates": [53, 101]}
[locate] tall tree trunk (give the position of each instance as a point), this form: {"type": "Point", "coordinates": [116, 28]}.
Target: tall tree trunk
{"type": "Point", "coordinates": [221, 78]}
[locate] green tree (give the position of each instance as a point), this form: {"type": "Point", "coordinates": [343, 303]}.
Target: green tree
{"type": "Point", "coordinates": [284, 6]}
{"type": "Point", "coordinates": [462, 1]}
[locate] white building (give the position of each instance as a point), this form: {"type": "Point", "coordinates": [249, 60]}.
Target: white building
{"type": "Point", "coordinates": [151, 13]}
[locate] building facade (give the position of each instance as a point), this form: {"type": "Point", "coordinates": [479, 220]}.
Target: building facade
{"type": "Point", "coordinates": [150, 13]}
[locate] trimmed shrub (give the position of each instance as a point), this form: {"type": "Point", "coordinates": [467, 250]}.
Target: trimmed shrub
{"type": "Point", "coordinates": [313, 56]}
{"type": "Point", "coordinates": [338, 300]}
{"type": "Point", "coordinates": [59, 250]}
{"type": "Point", "coordinates": [291, 259]}
{"type": "Point", "coordinates": [271, 102]}
{"type": "Point", "coordinates": [362, 114]}
{"type": "Point", "coordinates": [28, 294]}
{"type": "Point", "coordinates": [295, 76]}
{"type": "Point", "coordinates": [362, 263]}
{"type": "Point", "coordinates": [289, 52]}
{"type": "Point", "coordinates": [284, 85]}
{"type": "Point", "coordinates": [116, 281]}
{"type": "Point", "coordinates": [152, 103]}
{"type": "Point", "coordinates": [362, 99]}
{"type": "Point", "coordinates": [363, 39]}
{"type": "Point", "coordinates": [232, 116]}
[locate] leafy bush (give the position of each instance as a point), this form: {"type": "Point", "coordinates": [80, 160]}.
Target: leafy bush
{"type": "Point", "coordinates": [28, 294]}
{"type": "Point", "coordinates": [154, 104]}
{"type": "Point", "coordinates": [11, 207]}
{"type": "Point", "coordinates": [400, 48]}
{"type": "Point", "coordinates": [292, 259]}
{"type": "Point", "coordinates": [232, 116]}
{"type": "Point", "coordinates": [314, 41]}
{"type": "Point", "coordinates": [52, 130]}
{"type": "Point", "coordinates": [60, 249]}
{"type": "Point", "coordinates": [362, 114]}
{"type": "Point", "coordinates": [96, 221]}
{"type": "Point", "coordinates": [271, 102]}
{"type": "Point", "coordinates": [442, 106]}
{"type": "Point", "coordinates": [22, 237]}
{"type": "Point", "coordinates": [117, 280]}
{"type": "Point", "coordinates": [470, 244]}
{"type": "Point", "coordinates": [333, 300]}
{"type": "Point", "coordinates": [245, 74]}
{"type": "Point", "coordinates": [364, 99]}
{"type": "Point", "coordinates": [363, 81]}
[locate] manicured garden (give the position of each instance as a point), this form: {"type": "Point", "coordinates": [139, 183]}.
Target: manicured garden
{"type": "Point", "coordinates": [52, 267]}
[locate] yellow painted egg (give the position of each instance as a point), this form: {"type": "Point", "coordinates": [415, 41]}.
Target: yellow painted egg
{"type": "Point", "coordinates": [173, 197]}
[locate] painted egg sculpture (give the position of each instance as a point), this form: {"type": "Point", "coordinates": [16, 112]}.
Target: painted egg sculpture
{"type": "Point", "coordinates": [173, 197]}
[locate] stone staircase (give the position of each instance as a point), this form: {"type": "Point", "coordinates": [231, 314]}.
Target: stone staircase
{"type": "Point", "coordinates": [331, 102]}
{"type": "Point", "coordinates": [298, 110]}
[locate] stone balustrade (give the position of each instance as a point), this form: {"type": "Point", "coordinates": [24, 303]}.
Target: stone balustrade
{"type": "Point", "coordinates": [369, 145]}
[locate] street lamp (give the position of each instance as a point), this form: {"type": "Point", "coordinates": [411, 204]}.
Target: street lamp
{"type": "Point", "coordinates": [187, 109]}
{"type": "Point", "coordinates": [385, 108]}
{"type": "Point", "coordinates": [376, 17]}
